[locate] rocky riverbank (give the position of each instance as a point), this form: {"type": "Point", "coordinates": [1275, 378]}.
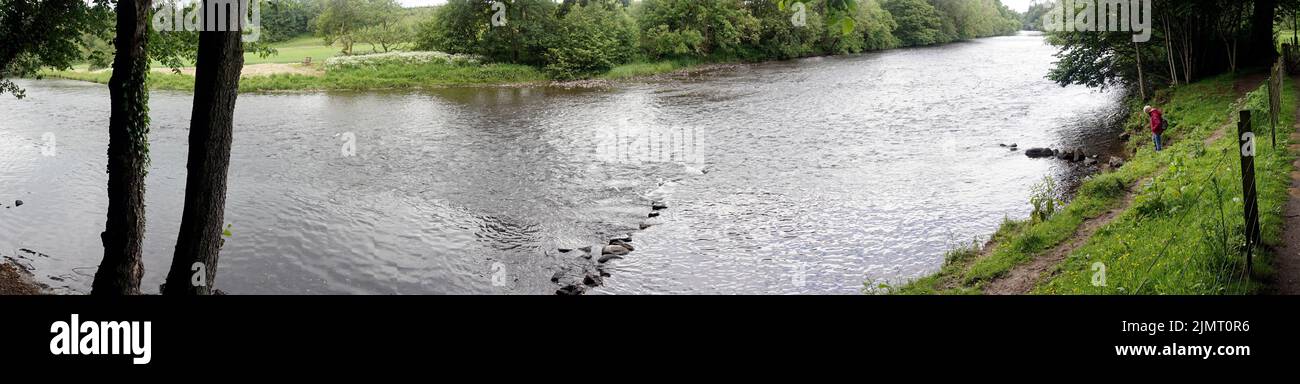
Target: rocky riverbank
{"type": "Point", "coordinates": [16, 280]}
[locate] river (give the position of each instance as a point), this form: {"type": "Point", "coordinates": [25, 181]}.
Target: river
{"type": "Point", "coordinates": [808, 176]}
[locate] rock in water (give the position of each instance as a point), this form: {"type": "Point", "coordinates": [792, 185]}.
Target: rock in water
{"type": "Point", "coordinates": [616, 250]}
{"type": "Point", "coordinates": [608, 258]}
{"type": "Point", "coordinates": [18, 203]}
{"type": "Point", "coordinates": [1090, 161]}
{"type": "Point", "coordinates": [623, 244]}
{"type": "Point", "coordinates": [572, 290]}
{"type": "Point", "coordinates": [658, 205]}
{"type": "Point", "coordinates": [1038, 152]}
{"type": "Point", "coordinates": [1116, 162]}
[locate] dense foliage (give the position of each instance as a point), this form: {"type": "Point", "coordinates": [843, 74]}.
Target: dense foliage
{"type": "Point", "coordinates": [52, 33]}
{"type": "Point", "coordinates": [285, 19]}
{"type": "Point", "coordinates": [580, 38]}
{"type": "Point", "coordinates": [1190, 40]}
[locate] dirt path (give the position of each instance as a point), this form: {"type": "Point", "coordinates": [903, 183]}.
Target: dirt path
{"type": "Point", "coordinates": [1287, 266]}
{"type": "Point", "coordinates": [265, 69]}
{"type": "Point", "coordinates": [1023, 278]}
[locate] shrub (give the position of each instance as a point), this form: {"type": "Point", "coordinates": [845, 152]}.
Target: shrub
{"type": "Point", "coordinates": [1043, 199]}
{"type": "Point", "coordinates": [591, 40]}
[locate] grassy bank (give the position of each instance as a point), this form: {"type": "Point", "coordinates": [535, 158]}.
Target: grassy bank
{"type": "Point", "coordinates": [649, 68]}
{"type": "Point", "coordinates": [391, 76]}
{"type": "Point", "coordinates": [382, 77]}
{"type": "Point", "coordinates": [1183, 234]}
{"type": "Point", "coordinates": [1168, 240]}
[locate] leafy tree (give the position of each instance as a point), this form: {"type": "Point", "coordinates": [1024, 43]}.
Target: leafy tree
{"type": "Point", "coordinates": [876, 26]}
{"type": "Point", "coordinates": [919, 23]}
{"type": "Point", "coordinates": [779, 37]}
{"type": "Point", "coordinates": [873, 30]}
{"type": "Point", "coordinates": [1191, 39]}
{"type": "Point", "coordinates": [454, 28]}
{"type": "Point", "coordinates": [725, 26]}
{"type": "Point", "coordinates": [529, 30]}
{"type": "Point", "coordinates": [591, 39]}
{"type": "Point", "coordinates": [341, 20]}
{"type": "Point", "coordinates": [385, 36]}
{"type": "Point", "coordinates": [1033, 18]}
{"type": "Point", "coordinates": [286, 19]}
{"type": "Point", "coordinates": [660, 41]}
{"type": "Point", "coordinates": [49, 33]}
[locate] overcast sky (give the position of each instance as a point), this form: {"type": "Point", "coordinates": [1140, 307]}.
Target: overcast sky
{"type": "Point", "coordinates": [1018, 5]}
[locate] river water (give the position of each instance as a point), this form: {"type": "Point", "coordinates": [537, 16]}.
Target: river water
{"type": "Point", "coordinates": [798, 177]}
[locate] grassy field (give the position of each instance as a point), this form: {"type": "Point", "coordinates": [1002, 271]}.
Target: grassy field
{"type": "Point", "coordinates": [1172, 239]}
{"type": "Point", "coordinates": [294, 50]}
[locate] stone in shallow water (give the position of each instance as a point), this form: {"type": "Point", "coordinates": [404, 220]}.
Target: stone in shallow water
{"type": "Point", "coordinates": [572, 290]}
{"type": "Point", "coordinates": [1039, 152]}
{"type": "Point", "coordinates": [623, 244]}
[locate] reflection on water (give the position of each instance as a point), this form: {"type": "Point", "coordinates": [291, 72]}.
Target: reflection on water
{"type": "Point", "coordinates": [807, 176]}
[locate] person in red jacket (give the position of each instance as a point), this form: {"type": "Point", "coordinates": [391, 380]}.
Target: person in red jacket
{"type": "Point", "coordinates": [1157, 125]}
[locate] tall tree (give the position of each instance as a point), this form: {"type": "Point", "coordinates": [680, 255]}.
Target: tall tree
{"type": "Point", "coordinates": [1263, 51]}
{"type": "Point", "coordinates": [128, 154]}
{"type": "Point", "coordinates": [216, 87]}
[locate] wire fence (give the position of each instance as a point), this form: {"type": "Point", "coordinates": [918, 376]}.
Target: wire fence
{"type": "Point", "coordinates": [1219, 211]}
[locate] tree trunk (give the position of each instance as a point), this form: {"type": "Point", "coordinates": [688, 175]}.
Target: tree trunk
{"type": "Point", "coordinates": [128, 155]}
{"type": "Point", "coordinates": [1169, 54]}
{"type": "Point", "coordinates": [216, 86]}
{"type": "Point", "coordinates": [1264, 51]}
{"type": "Point", "coordinates": [1142, 85]}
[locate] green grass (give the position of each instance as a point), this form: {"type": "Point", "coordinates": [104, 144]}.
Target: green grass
{"type": "Point", "coordinates": [289, 51]}
{"type": "Point", "coordinates": [1183, 234]}
{"type": "Point", "coordinates": [294, 50]}
{"type": "Point", "coordinates": [384, 77]}
{"type": "Point", "coordinates": [1283, 36]}
{"type": "Point", "coordinates": [1196, 109]}
{"type": "Point", "coordinates": [642, 68]}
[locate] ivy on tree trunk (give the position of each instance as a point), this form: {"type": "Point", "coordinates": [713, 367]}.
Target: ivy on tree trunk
{"type": "Point", "coordinates": [128, 154]}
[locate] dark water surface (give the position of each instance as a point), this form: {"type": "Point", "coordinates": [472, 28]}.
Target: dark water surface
{"type": "Point", "coordinates": [808, 176]}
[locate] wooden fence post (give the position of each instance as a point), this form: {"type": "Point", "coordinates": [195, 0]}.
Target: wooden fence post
{"type": "Point", "coordinates": [1246, 137]}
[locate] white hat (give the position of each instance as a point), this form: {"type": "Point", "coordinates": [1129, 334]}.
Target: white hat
{"type": "Point", "coordinates": [1146, 109]}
